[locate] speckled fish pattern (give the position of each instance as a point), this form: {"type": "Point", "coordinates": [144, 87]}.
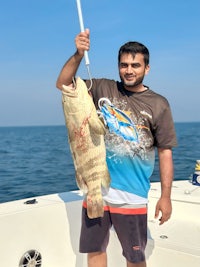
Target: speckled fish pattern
{"type": "Point", "coordinates": [86, 139]}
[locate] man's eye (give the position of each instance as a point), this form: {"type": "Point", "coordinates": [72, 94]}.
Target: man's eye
{"type": "Point", "coordinates": [135, 66]}
{"type": "Point", "coordinates": [123, 65]}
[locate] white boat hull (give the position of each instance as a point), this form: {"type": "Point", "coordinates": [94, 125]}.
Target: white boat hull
{"type": "Point", "coordinates": [52, 226]}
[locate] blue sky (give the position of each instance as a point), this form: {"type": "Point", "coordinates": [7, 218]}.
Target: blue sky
{"type": "Point", "coordinates": [37, 37]}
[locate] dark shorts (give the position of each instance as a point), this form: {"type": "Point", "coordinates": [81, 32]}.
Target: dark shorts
{"type": "Point", "coordinates": [130, 224]}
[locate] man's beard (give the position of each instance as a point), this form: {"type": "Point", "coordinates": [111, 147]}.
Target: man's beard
{"type": "Point", "coordinates": [132, 84]}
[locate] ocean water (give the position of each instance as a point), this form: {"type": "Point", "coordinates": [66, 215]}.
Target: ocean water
{"type": "Point", "coordinates": [36, 161]}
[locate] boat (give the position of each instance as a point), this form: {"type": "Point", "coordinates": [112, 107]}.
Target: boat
{"type": "Point", "coordinates": [44, 231]}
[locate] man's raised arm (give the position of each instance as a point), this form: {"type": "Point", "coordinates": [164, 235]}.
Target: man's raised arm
{"type": "Point", "coordinates": [70, 68]}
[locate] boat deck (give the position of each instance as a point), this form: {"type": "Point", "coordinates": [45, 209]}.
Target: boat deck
{"type": "Point", "coordinates": [51, 227]}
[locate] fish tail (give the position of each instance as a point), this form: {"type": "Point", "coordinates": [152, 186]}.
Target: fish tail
{"type": "Point", "coordinates": [94, 207]}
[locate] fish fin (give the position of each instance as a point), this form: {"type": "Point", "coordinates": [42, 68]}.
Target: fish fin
{"type": "Point", "coordinates": [97, 125]}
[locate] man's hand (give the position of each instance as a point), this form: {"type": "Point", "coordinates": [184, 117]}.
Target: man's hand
{"type": "Point", "coordinates": [82, 42]}
{"type": "Point", "coordinates": [164, 206]}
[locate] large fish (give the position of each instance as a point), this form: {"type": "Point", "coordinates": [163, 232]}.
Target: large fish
{"type": "Point", "coordinates": [86, 139]}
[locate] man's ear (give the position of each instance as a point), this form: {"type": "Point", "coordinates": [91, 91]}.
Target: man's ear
{"type": "Point", "coordinates": [147, 69]}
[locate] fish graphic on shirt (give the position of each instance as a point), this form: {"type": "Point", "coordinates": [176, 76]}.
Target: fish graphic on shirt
{"type": "Point", "coordinates": [117, 120]}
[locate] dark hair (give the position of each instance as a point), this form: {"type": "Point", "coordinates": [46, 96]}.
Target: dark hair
{"type": "Point", "coordinates": [133, 48]}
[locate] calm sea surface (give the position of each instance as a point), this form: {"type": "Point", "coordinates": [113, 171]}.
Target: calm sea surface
{"type": "Point", "coordinates": [36, 161]}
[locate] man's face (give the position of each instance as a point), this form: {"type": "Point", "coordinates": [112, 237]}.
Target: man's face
{"type": "Point", "coordinates": [132, 71]}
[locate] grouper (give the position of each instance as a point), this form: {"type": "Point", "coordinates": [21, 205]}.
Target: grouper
{"type": "Point", "coordinates": [86, 139]}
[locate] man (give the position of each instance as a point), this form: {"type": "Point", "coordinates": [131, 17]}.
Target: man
{"type": "Point", "coordinates": [130, 155]}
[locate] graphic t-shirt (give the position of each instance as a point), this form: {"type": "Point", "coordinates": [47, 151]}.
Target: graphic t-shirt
{"type": "Point", "coordinates": [137, 123]}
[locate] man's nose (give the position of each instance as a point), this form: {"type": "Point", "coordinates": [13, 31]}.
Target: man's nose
{"type": "Point", "coordinates": [129, 69]}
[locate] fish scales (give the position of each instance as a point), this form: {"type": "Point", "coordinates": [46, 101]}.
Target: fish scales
{"type": "Point", "coordinates": [86, 139]}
